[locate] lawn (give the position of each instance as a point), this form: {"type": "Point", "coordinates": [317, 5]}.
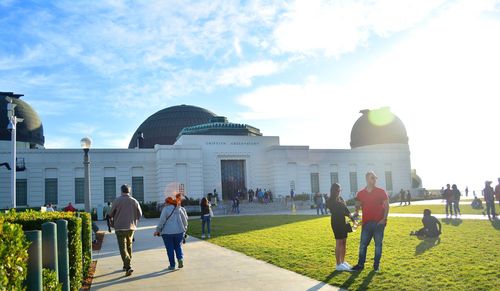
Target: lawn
{"type": "Point", "coordinates": [436, 209]}
{"type": "Point", "coordinates": [465, 259]}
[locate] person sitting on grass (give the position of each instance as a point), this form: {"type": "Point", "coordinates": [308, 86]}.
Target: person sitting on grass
{"type": "Point", "coordinates": [340, 228]}
{"type": "Point", "coordinates": [430, 229]}
{"type": "Point", "coordinates": [477, 203]}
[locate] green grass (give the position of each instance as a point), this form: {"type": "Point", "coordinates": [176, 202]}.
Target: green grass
{"type": "Point", "coordinates": [435, 209]}
{"type": "Point", "coordinates": [465, 259]}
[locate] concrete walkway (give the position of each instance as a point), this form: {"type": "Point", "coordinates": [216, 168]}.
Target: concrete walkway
{"type": "Point", "coordinates": [207, 266]}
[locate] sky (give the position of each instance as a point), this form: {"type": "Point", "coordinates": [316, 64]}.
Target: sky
{"type": "Point", "coordinates": [301, 70]}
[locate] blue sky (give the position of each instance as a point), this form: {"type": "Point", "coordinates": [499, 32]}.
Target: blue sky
{"type": "Point", "coordinates": [298, 69]}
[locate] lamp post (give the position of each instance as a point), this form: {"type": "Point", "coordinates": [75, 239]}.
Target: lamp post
{"type": "Point", "coordinates": [13, 120]}
{"type": "Point", "coordinates": [86, 142]}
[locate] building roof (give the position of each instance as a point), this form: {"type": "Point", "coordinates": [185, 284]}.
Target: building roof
{"type": "Point", "coordinates": [379, 126]}
{"type": "Point", "coordinates": [164, 126]}
{"type": "Point", "coordinates": [30, 130]}
{"type": "Point", "coordinates": [220, 126]}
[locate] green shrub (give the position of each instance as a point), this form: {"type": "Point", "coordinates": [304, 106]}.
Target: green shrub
{"type": "Point", "coordinates": [302, 197]}
{"type": "Point", "coordinates": [32, 220]}
{"type": "Point", "coordinates": [86, 241]}
{"type": "Point", "coordinates": [150, 209]}
{"type": "Point", "coordinates": [50, 281]}
{"type": "Point", "coordinates": [13, 256]}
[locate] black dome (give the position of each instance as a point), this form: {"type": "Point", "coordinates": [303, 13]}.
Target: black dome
{"type": "Point", "coordinates": [379, 126]}
{"type": "Point", "coordinates": [164, 126]}
{"type": "Point", "coordinates": [30, 130]}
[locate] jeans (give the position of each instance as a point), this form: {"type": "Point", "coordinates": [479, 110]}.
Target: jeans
{"type": "Point", "coordinates": [124, 238]}
{"type": "Point", "coordinates": [371, 230]}
{"type": "Point", "coordinates": [490, 208]}
{"type": "Point", "coordinates": [456, 206]}
{"type": "Point", "coordinates": [205, 220]}
{"type": "Point", "coordinates": [173, 243]}
{"type": "Point", "coordinates": [320, 206]}
{"type": "Point", "coordinates": [449, 205]}
{"type": "Point", "coordinates": [108, 222]}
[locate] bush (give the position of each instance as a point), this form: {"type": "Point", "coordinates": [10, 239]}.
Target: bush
{"type": "Point", "coordinates": [50, 281]}
{"type": "Point", "coordinates": [190, 201]}
{"type": "Point", "coordinates": [150, 210]}
{"type": "Point", "coordinates": [13, 256]}
{"type": "Point", "coordinates": [86, 241]}
{"type": "Point", "coordinates": [32, 220]}
{"type": "Point", "coordinates": [302, 197]}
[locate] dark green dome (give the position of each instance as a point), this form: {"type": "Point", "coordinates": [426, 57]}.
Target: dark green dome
{"type": "Point", "coordinates": [379, 126]}
{"type": "Point", "coordinates": [30, 130]}
{"type": "Point", "coordinates": [220, 126]}
{"type": "Point", "coordinates": [164, 126]}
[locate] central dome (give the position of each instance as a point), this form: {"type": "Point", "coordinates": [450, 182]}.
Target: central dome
{"type": "Point", "coordinates": [164, 126]}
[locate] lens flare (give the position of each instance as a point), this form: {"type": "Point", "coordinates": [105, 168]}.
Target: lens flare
{"type": "Point", "coordinates": [381, 117]}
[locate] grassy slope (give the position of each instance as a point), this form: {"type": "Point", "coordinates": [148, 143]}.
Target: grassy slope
{"type": "Point", "coordinates": [436, 209]}
{"type": "Point", "coordinates": [466, 258]}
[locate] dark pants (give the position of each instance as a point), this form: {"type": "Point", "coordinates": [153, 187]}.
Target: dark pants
{"type": "Point", "coordinates": [205, 220]}
{"type": "Point", "coordinates": [108, 222]}
{"type": "Point", "coordinates": [449, 205]}
{"type": "Point", "coordinates": [320, 207]}
{"type": "Point", "coordinates": [456, 206]}
{"type": "Point", "coordinates": [124, 238]}
{"type": "Point", "coordinates": [173, 243]}
{"type": "Point", "coordinates": [490, 209]}
{"type": "Point", "coordinates": [371, 230]}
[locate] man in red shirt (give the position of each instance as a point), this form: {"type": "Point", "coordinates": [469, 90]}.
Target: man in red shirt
{"type": "Point", "coordinates": [449, 197]}
{"type": "Point", "coordinates": [374, 203]}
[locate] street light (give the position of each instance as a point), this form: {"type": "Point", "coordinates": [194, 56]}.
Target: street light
{"type": "Point", "coordinates": [12, 127]}
{"type": "Point", "coordinates": [85, 143]}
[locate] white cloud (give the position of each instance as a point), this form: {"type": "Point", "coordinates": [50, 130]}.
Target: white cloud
{"type": "Point", "coordinates": [243, 74]}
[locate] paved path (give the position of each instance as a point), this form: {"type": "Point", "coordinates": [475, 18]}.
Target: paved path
{"type": "Point", "coordinates": [207, 266]}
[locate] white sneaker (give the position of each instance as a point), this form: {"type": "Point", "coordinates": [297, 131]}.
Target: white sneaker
{"type": "Point", "coordinates": [347, 265]}
{"type": "Point", "coordinates": [341, 268]}
{"type": "Point", "coordinates": [208, 236]}
{"type": "Point", "coordinates": [202, 236]}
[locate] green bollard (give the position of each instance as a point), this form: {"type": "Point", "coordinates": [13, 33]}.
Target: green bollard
{"type": "Point", "coordinates": [63, 256]}
{"type": "Point", "coordinates": [34, 279]}
{"type": "Point", "coordinates": [49, 246]}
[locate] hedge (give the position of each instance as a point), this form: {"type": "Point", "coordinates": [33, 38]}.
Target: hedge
{"type": "Point", "coordinates": [13, 256]}
{"type": "Point", "coordinates": [32, 220]}
{"type": "Point", "coordinates": [50, 281]}
{"type": "Point", "coordinates": [86, 241]}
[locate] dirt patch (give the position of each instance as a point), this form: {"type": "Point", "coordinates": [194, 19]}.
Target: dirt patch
{"type": "Point", "coordinates": [87, 282]}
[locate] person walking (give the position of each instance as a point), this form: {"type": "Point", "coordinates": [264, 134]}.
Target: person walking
{"type": "Point", "coordinates": [497, 192]}
{"type": "Point", "coordinates": [374, 203]}
{"type": "Point", "coordinates": [340, 228]}
{"type": "Point", "coordinates": [448, 196]}
{"type": "Point", "coordinates": [106, 211]}
{"type": "Point", "coordinates": [408, 197]}
{"type": "Point", "coordinates": [456, 200]}
{"type": "Point", "coordinates": [467, 191]}
{"type": "Point", "coordinates": [125, 215]}
{"type": "Point", "coordinates": [402, 197]}
{"type": "Point", "coordinates": [172, 227]}
{"type": "Point", "coordinates": [318, 200]}
{"type": "Point", "coordinates": [206, 216]}
{"type": "Point", "coordinates": [489, 198]}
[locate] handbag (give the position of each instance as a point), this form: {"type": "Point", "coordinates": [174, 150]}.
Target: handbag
{"type": "Point", "coordinates": [348, 227]}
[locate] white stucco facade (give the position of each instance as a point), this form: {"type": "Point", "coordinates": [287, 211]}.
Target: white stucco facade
{"type": "Point", "coordinates": [194, 162]}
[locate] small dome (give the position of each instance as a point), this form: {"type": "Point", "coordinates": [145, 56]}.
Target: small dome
{"type": "Point", "coordinates": [30, 130]}
{"type": "Point", "coordinates": [164, 126]}
{"type": "Point", "coordinates": [379, 126]}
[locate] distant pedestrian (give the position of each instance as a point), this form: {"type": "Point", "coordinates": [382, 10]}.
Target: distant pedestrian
{"type": "Point", "coordinates": [106, 211]}
{"type": "Point", "coordinates": [489, 198]}
{"type": "Point", "coordinates": [497, 192]}
{"type": "Point", "coordinates": [402, 197]}
{"type": "Point", "coordinates": [448, 196]}
{"type": "Point", "coordinates": [206, 216]}
{"type": "Point", "coordinates": [374, 203]}
{"type": "Point", "coordinates": [340, 228]}
{"type": "Point", "coordinates": [318, 200]}
{"type": "Point", "coordinates": [125, 215]}
{"type": "Point", "coordinates": [292, 195]}
{"type": "Point", "coordinates": [69, 208]}
{"type": "Point", "coordinates": [408, 197]}
{"type": "Point", "coordinates": [467, 191]}
{"type": "Point", "coordinates": [49, 208]}
{"type": "Point", "coordinates": [172, 227]}
{"type": "Point", "coordinates": [456, 199]}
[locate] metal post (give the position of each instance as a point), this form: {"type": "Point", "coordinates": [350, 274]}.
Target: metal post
{"type": "Point", "coordinates": [49, 246]}
{"type": "Point", "coordinates": [14, 162]}
{"type": "Point", "coordinates": [34, 279]}
{"type": "Point", "coordinates": [63, 256]}
{"type": "Point", "coordinates": [86, 191]}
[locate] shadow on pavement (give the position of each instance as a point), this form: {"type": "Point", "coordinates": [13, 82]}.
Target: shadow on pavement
{"type": "Point", "coordinates": [426, 245]}
{"type": "Point", "coordinates": [451, 221]}
{"type": "Point", "coordinates": [321, 284]}
{"type": "Point", "coordinates": [125, 280]}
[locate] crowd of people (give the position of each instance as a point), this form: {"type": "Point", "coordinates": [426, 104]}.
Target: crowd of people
{"type": "Point", "coordinates": [261, 196]}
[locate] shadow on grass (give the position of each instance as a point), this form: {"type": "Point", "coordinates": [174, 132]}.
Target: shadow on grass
{"type": "Point", "coordinates": [451, 221]}
{"type": "Point", "coordinates": [223, 226]}
{"type": "Point", "coordinates": [496, 224]}
{"type": "Point", "coordinates": [426, 244]}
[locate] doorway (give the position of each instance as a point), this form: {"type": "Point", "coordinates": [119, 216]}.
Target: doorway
{"type": "Point", "coordinates": [233, 177]}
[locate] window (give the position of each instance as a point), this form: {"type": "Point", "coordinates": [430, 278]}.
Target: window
{"type": "Point", "coordinates": [138, 188]}
{"type": "Point", "coordinates": [353, 181]}
{"type": "Point", "coordinates": [334, 177]}
{"type": "Point", "coordinates": [22, 192]}
{"type": "Point", "coordinates": [388, 181]}
{"type": "Point", "coordinates": [109, 189]}
{"type": "Point", "coordinates": [51, 190]}
{"type": "Point", "coordinates": [314, 183]}
{"type": "Point", "coordinates": [79, 190]}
